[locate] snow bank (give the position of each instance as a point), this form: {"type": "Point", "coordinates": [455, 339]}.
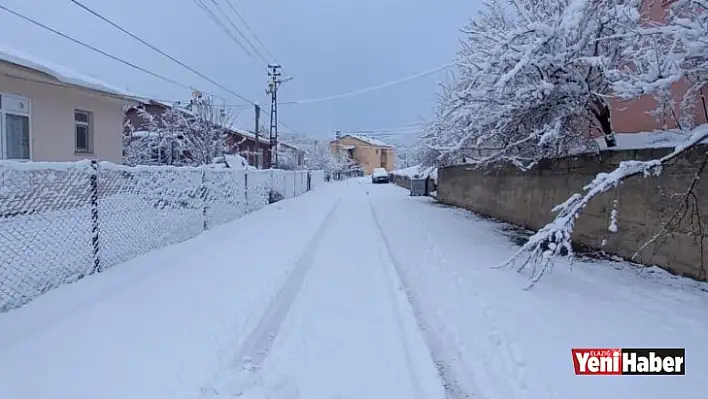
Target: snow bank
{"type": "Point", "coordinates": [59, 73]}
{"type": "Point", "coordinates": [46, 214]}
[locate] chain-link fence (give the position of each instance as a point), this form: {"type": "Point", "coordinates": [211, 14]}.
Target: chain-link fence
{"type": "Point", "coordinates": [62, 221]}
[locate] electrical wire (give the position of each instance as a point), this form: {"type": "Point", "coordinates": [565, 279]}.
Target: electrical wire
{"type": "Point", "coordinates": [238, 31]}
{"type": "Point", "coordinates": [90, 47]}
{"type": "Point", "coordinates": [373, 88]}
{"type": "Point", "coordinates": [154, 48]}
{"type": "Point", "coordinates": [245, 24]}
{"type": "Point", "coordinates": [404, 128]}
{"type": "Point", "coordinates": [223, 27]}
{"type": "Point", "coordinates": [289, 128]}
{"type": "Point", "coordinates": [109, 95]}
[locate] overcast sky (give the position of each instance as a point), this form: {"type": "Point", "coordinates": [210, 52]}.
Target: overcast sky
{"type": "Point", "coordinates": [327, 46]}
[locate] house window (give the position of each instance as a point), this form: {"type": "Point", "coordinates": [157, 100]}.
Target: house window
{"type": "Point", "coordinates": [14, 127]}
{"type": "Point", "coordinates": [83, 131]}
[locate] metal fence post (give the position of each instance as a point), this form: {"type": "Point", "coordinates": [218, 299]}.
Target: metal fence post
{"type": "Point", "coordinates": [245, 189]}
{"type": "Point", "coordinates": [204, 199]}
{"type": "Point", "coordinates": [309, 180]}
{"type": "Point", "coordinates": [94, 218]}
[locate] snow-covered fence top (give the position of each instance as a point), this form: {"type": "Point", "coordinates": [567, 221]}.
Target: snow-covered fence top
{"type": "Point", "coordinates": [62, 221]}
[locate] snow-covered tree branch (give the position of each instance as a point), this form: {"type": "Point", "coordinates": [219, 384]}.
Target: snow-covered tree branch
{"type": "Point", "coordinates": [536, 79]}
{"type": "Point", "coordinates": [531, 80]}
{"type": "Point", "coordinates": [661, 57]}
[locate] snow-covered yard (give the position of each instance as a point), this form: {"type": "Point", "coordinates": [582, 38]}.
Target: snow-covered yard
{"type": "Point", "coordinates": [351, 291]}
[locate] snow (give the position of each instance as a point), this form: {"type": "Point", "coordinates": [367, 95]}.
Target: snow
{"type": "Point", "coordinates": [60, 73]}
{"type": "Point", "coordinates": [234, 161]}
{"type": "Point", "coordinates": [369, 140]}
{"type": "Point", "coordinates": [645, 140]}
{"type": "Point", "coordinates": [418, 170]}
{"type": "Point", "coordinates": [379, 172]}
{"type": "Point", "coordinates": [244, 133]}
{"type": "Point", "coordinates": [414, 312]}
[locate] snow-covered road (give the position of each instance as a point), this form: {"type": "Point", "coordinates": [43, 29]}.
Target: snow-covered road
{"type": "Point", "coordinates": [353, 291]}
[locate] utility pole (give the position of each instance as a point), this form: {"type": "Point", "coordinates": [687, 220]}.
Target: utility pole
{"type": "Point", "coordinates": [257, 108]}
{"type": "Point", "coordinates": [272, 89]}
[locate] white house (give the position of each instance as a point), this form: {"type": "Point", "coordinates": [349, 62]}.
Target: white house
{"type": "Point", "coordinates": [49, 113]}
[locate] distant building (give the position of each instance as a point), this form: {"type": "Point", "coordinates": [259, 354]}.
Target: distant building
{"type": "Point", "coordinates": [290, 156]}
{"type": "Point", "coordinates": [367, 152]}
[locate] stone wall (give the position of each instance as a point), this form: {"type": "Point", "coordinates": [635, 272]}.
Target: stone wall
{"type": "Point", "coordinates": [643, 204]}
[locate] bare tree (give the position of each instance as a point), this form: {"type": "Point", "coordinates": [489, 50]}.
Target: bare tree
{"type": "Point", "coordinates": [180, 136]}
{"type": "Point", "coordinates": [205, 132]}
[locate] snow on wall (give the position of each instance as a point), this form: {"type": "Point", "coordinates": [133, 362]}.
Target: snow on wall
{"type": "Point", "coordinates": [48, 226]}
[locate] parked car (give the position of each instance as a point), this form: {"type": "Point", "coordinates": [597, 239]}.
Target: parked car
{"type": "Point", "coordinates": [379, 176]}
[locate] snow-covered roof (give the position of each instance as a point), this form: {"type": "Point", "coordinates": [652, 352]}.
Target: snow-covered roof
{"type": "Point", "coordinates": [641, 140]}
{"type": "Point", "coordinates": [290, 146]}
{"type": "Point", "coordinates": [60, 73]}
{"type": "Point", "coordinates": [245, 133]}
{"type": "Point", "coordinates": [369, 140]}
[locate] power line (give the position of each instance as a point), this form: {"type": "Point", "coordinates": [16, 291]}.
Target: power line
{"type": "Point", "coordinates": [238, 31]}
{"type": "Point", "coordinates": [289, 128]}
{"type": "Point", "coordinates": [373, 88]}
{"type": "Point", "coordinates": [223, 27]}
{"type": "Point", "coordinates": [90, 47]}
{"type": "Point", "coordinates": [413, 126]}
{"type": "Point", "coordinates": [154, 48]}
{"type": "Point", "coordinates": [233, 8]}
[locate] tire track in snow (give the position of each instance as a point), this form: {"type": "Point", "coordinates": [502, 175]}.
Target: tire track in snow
{"type": "Point", "coordinates": [255, 348]}
{"type": "Point", "coordinates": [511, 362]}
{"type": "Point", "coordinates": [435, 343]}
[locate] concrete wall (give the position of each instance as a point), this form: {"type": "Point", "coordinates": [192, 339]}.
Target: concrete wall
{"type": "Point", "coordinates": [644, 204]}
{"type": "Point", "coordinates": [52, 116]}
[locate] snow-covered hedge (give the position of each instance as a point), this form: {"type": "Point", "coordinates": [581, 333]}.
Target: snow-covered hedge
{"type": "Point", "coordinates": [62, 221]}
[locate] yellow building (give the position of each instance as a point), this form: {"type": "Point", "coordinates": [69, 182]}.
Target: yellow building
{"type": "Point", "coordinates": [367, 152]}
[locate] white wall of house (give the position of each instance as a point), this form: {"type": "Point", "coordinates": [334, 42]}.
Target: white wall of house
{"type": "Point", "coordinates": [52, 119]}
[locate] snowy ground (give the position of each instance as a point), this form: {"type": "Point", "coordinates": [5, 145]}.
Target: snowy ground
{"type": "Point", "coordinates": [349, 291]}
